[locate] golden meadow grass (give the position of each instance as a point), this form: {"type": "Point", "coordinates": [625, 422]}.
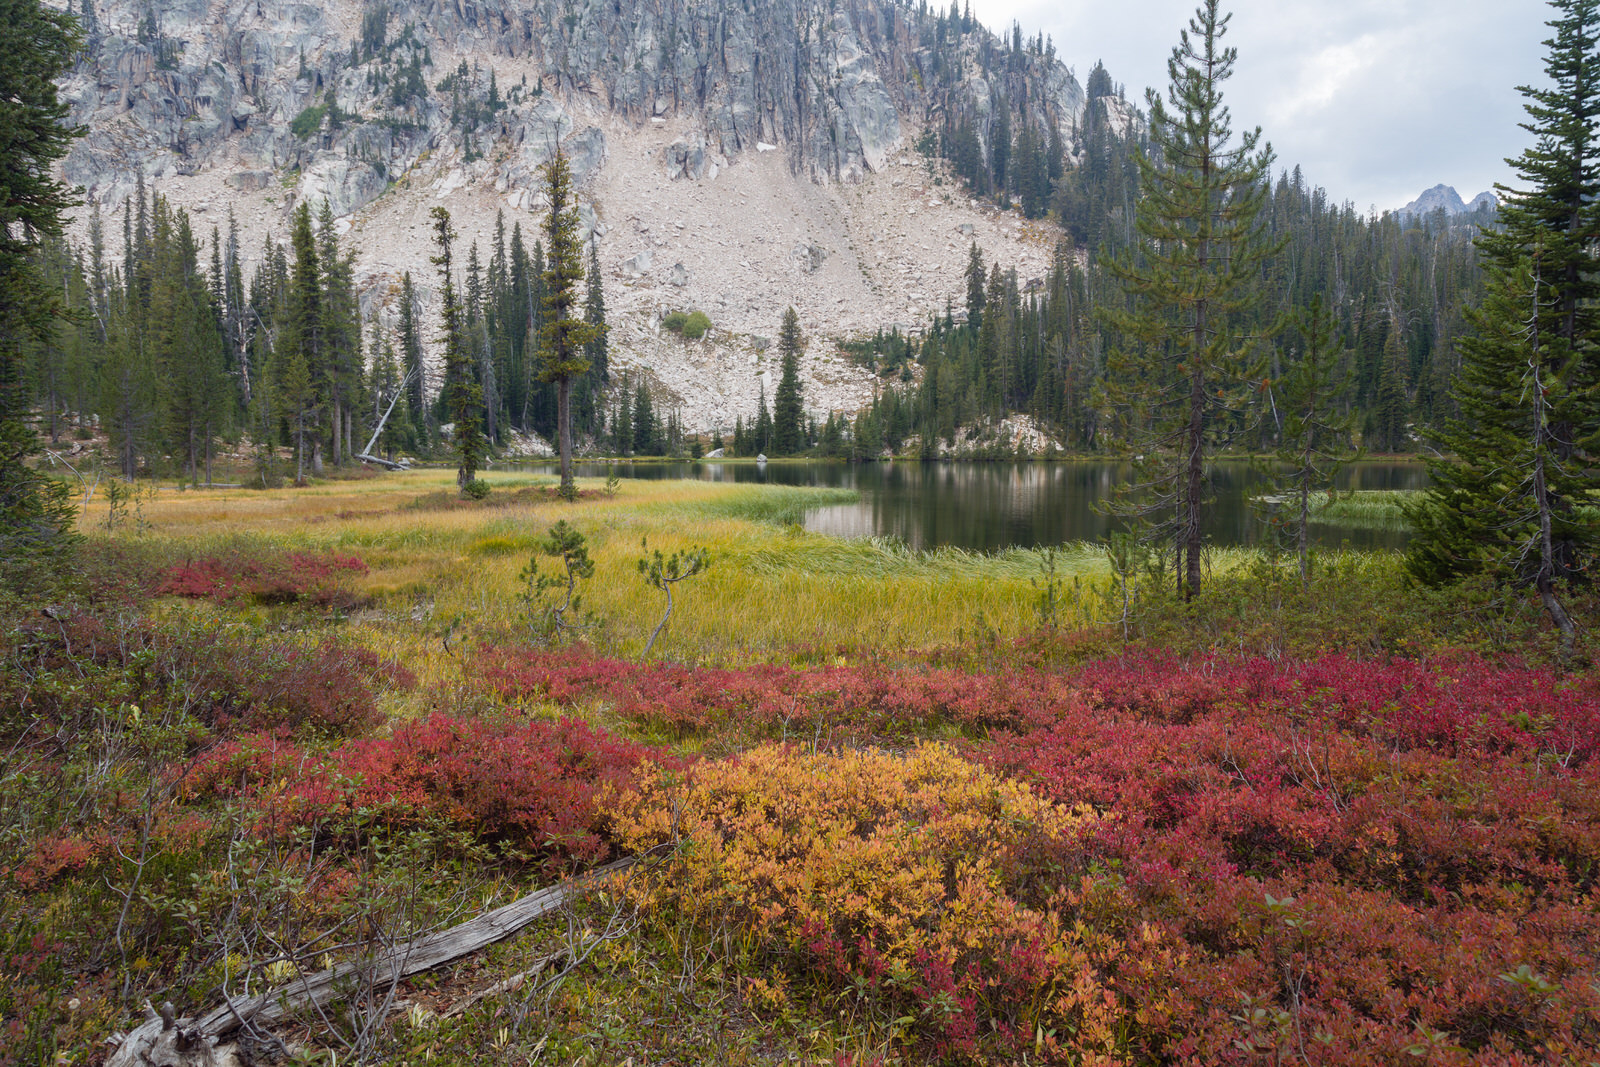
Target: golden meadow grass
{"type": "Point", "coordinates": [771, 587]}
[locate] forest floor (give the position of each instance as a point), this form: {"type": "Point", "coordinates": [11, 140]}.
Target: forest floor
{"type": "Point", "coordinates": [891, 806]}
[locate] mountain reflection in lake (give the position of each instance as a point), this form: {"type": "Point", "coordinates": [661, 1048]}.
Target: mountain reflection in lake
{"type": "Point", "coordinates": [991, 506]}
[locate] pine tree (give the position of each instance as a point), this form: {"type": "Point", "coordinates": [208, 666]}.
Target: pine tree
{"type": "Point", "coordinates": [564, 338]}
{"type": "Point", "coordinates": [975, 288]}
{"type": "Point", "coordinates": [788, 417]}
{"type": "Point", "coordinates": [1389, 404]}
{"type": "Point", "coordinates": [341, 338]}
{"type": "Point", "coordinates": [411, 356]}
{"type": "Point", "coordinates": [1315, 441]}
{"type": "Point", "coordinates": [463, 396]}
{"type": "Point", "coordinates": [762, 433]}
{"type": "Point", "coordinates": [594, 313]}
{"type": "Point", "coordinates": [1524, 446]}
{"type": "Point", "coordinates": [1190, 283]}
{"type": "Point", "coordinates": [622, 422]}
{"type": "Point", "coordinates": [39, 43]}
{"type": "Point", "coordinates": [300, 356]}
{"type": "Point", "coordinates": [645, 435]}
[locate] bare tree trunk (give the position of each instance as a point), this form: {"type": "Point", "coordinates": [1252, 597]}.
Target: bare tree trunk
{"type": "Point", "coordinates": [1303, 534]}
{"type": "Point", "coordinates": [569, 489]}
{"type": "Point", "coordinates": [1189, 578]}
{"type": "Point", "coordinates": [1545, 581]}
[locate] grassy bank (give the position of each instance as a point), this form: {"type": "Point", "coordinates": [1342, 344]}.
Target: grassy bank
{"type": "Point", "coordinates": [772, 586]}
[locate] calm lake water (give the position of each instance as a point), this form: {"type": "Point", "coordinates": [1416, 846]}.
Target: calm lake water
{"type": "Point", "coordinates": [990, 506]}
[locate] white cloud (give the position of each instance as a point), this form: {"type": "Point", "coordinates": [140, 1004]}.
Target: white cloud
{"type": "Point", "coordinates": [1323, 78]}
{"type": "Point", "coordinates": [1375, 99]}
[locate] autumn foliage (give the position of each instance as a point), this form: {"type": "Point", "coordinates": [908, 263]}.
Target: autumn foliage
{"type": "Point", "coordinates": [1198, 862]}
{"type": "Point", "coordinates": [529, 785]}
{"type": "Point", "coordinates": [265, 578]}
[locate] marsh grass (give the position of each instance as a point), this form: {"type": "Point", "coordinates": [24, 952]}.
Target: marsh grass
{"type": "Point", "coordinates": [1368, 509]}
{"type": "Point", "coordinates": [772, 587]}
{"type": "Point", "coordinates": [1364, 509]}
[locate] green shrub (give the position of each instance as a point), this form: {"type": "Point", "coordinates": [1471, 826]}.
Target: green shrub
{"type": "Point", "coordinates": [696, 325]}
{"type": "Point", "coordinates": [308, 121]}
{"type": "Point", "coordinates": [476, 489]}
{"type": "Point", "coordinates": [691, 325]}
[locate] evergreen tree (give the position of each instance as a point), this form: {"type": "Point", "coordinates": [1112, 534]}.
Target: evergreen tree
{"type": "Point", "coordinates": [594, 313]}
{"type": "Point", "coordinates": [564, 339]}
{"type": "Point", "coordinates": [762, 435]}
{"type": "Point", "coordinates": [463, 396]}
{"type": "Point", "coordinates": [388, 395]}
{"type": "Point", "coordinates": [1315, 441]}
{"type": "Point", "coordinates": [788, 417]}
{"type": "Point", "coordinates": [39, 43]}
{"type": "Point", "coordinates": [622, 422]}
{"type": "Point", "coordinates": [1190, 285]}
{"type": "Point", "coordinates": [411, 357]}
{"type": "Point", "coordinates": [300, 356]}
{"type": "Point", "coordinates": [1526, 439]}
{"type": "Point", "coordinates": [975, 288]}
{"type": "Point", "coordinates": [341, 338]}
{"type": "Point", "coordinates": [1389, 405]}
{"type": "Point", "coordinates": [644, 423]}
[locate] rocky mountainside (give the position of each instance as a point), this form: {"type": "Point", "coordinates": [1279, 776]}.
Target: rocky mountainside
{"type": "Point", "coordinates": [1444, 197]}
{"type": "Point", "coordinates": [732, 156]}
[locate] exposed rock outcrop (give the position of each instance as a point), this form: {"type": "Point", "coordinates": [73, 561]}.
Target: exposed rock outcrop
{"type": "Point", "coordinates": [762, 151]}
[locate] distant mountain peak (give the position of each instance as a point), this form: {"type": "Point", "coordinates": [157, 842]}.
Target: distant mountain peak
{"type": "Point", "coordinates": [1444, 197]}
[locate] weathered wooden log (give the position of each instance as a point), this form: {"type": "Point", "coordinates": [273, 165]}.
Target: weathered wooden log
{"type": "Point", "coordinates": [163, 1041]}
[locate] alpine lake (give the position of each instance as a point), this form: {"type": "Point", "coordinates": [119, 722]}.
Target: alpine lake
{"type": "Point", "coordinates": [988, 507]}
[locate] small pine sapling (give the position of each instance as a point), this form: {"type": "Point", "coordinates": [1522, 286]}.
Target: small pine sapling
{"type": "Point", "coordinates": [547, 613]}
{"type": "Point", "coordinates": [664, 572]}
{"type": "Point", "coordinates": [1050, 592]}
{"type": "Point", "coordinates": [1129, 558]}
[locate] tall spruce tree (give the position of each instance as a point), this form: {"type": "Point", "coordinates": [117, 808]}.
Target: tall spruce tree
{"type": "Point", "coordinates": [300, 356]}
{"type": "Point", "coordinates": [416, 377]}
{"type": "Point", "coordinates": [39, 44]}
{"type": "Point", "coordinates": [1526, 442]}
{"type": "Point", "coordinates": [762, 440]}
{"type": "Point", "coordinates": [646, 435]}
{"type": "Point", "coordinates": [463, 396]}
{"type": "Point", "coordinates": [1314, 442]}
{"type": "Point", "coordinates": [564, 340]}
{"type": "Point", "coordinates": [1190, 281]}
{"type": "Point", "coordinates": [594, 313]}
{"type": "Point", "coordinates": [788, 417]}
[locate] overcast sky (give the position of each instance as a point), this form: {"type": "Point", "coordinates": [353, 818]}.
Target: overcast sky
{"type": "Point", "coordinates": [1376, 100]}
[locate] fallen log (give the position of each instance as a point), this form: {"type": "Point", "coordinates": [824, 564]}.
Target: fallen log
{"type": "Point", "coordinates": [166, 1041]}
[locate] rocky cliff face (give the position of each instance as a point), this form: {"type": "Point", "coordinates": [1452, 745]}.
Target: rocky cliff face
{"type": "Point", "coordinates": [382, 108]}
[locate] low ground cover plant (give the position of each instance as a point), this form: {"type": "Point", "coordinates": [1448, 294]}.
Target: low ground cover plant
{"type": "Point", "coordinates": [907, 883]}
{"type": "Point", "coordinates": [264, 578]}
{"type": "Point", "coordinates": [1462, 705]}
{"type": "Point", "coordinates": [1324, 823]}
{"type": "Point", "coordinates": [533, 786]}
